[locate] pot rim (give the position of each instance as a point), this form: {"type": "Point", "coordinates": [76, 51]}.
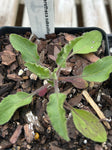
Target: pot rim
{"type": "Point", "coordinates": [71, 30]}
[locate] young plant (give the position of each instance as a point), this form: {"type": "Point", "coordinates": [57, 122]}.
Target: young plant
{"type": "Point", "coordinates": [87, 123]}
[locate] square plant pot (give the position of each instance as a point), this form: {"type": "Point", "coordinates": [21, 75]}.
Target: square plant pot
{"type": "Point", "coordinates": [30, 125]}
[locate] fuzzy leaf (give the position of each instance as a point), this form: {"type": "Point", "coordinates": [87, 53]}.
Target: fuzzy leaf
{"type": "Point", "coordinates": [90, 42]}
{"type": "Point", "coordinates": [11, 103]}
{"type": "Point", "coordinates": [26, 47]}
{"type": "Point", "coordinates": [98, 71]}
{"type": "Point", "coordinates": [89, 125]}
{"type": "Point", "coordinates": [56, 114]}
{"type": "Point", "coordinates": [62, 56]}
{"type": "Point", "coordinates": [41, 72]}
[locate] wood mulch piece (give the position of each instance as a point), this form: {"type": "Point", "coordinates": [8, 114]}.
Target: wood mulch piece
{"type": "Point", "coordinates": [19, 132]}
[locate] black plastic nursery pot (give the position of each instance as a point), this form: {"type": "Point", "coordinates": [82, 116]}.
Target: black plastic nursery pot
{"type": "Point", "coordinates": [22, 30]}
{"type": "Point", "coordinates": [46, 137]}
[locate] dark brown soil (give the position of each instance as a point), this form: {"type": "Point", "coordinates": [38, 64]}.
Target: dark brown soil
{"type": "Point", "coordinates": [19, 132]}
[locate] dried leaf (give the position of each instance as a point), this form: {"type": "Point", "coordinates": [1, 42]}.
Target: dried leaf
{"type": "Point", "coordinates": [79, 83]}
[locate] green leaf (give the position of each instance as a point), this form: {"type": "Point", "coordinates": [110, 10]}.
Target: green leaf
{"type": "Point", "coordinates": [11, 103]}
{"type": "Point", "coordinates": [41, 72]}
{"type": "Point", "coordinates": [90, 42]}
{"type": "Point", "coordinates": [98, 71]}
{"type": "Point", "coordinates": [89, 125]}
{"type": "Point", "coordinates": [62, 56]}
{"type": "Point", "coordinates": [56, 114]}
{"type": "Point", "coordinates": [26, 47]}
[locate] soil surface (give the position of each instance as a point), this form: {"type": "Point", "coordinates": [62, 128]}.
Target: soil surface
{"type": "Point", "coordinates": [31, 121]}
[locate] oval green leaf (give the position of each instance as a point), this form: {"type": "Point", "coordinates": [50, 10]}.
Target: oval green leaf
{"type": "Point", "coordinates": [56, 114]}
{"type": "Point", "coordinates": [90, 42]}
{"type": "Point", "coordinates": [89, 125]}
{"type": "Point", "coordinates": [98, 71]}
{"type": "Point", "coordinates": [11, 103]}
{"type": "Point", "coordinates": [26, 47]}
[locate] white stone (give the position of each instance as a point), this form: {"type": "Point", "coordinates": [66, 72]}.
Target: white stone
{"type": "Point", "coordinates": [25, 69]}
{"type": "Point", "coordinates": [45, 82]}
{"type": "Point", "coordinates": [100, 105]}
{"type": "Point", "coordinates": [20, 72]}
{"type": "Point", "coordinates": [111, 50]}
{"type": "Point", "coordinates": [32, 118]}
{"type": "Point", "coordinates": [99, 96]}
{"type": "Point", "coordinates": [33, 76]}
{"type": "Point", "coordinates": [85, 141]}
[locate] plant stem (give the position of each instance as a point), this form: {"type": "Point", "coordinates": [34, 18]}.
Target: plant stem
{"type": "Point", "coordinates": [56, 86]}
{"type": "Point", "coordinates": [71, 108]}
{"type": "Point", "coordinates": [56, 81]}
{"type": "Point", "coordinates": [68, 78]}
{"type": "Point", "coordinates": [38, 90]}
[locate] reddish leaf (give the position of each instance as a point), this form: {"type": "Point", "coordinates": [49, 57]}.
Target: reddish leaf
{"type": "Point", "coordinates": [42, 91]}
{"type": "Point", "coordinates": [80, 83]}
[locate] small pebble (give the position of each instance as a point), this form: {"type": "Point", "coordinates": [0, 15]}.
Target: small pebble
{"type": "Point", "coordinates": [20, 72]}
{"type": "Point", "coordinates": [85, 141]}
{"type": "Point", "coordinates": [25, 77]}
{"type": "Point", "coordinates": [111, 50]}
{"type": "Point", "coordinates": [45, 82]}
{"type": "Point", "coordinates": [33, 76]}
{"type": "Point", "coordinates": [70, 115]}
{"type": "Point", "coordinates": [36, 136]}
{"type": "Point", "coordinates": [29, 146]}
{"type": "Point", "coordinates": [74, 91]}
{"type": "Point", "coordinates": [108, 120]}
{"type": "Point", "coordinates": [99, 96]}
{"type": "Point", "coordinates": [25, 69]}
{"type": "Point", "coordinates": [80, 105]}
{"type": "Point", "coordinates": [100, 105]}
{"type": "Point", "coordinates": [104, 146]}
{"type": "Point", "coordinates": [49, 129]}
{"type": "Point", "coordinates": [70, 95]}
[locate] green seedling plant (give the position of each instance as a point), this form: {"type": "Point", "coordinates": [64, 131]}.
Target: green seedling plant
{"type": "Point", "coordinates": [85, 122]}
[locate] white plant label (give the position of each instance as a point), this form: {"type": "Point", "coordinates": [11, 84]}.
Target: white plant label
{"type": "Point", "coordinates": [41, 16]}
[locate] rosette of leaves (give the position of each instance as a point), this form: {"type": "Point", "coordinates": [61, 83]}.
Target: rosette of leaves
{"type": "Point", "coordinates": [87, 123]}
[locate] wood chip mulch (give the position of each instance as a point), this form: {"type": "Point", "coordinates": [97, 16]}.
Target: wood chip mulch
{"type": "Point", "coordinates": [19, 133]}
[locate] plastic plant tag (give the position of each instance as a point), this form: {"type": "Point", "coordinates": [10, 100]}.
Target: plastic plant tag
{"type": "Point", "coordinates": [41, 16]}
